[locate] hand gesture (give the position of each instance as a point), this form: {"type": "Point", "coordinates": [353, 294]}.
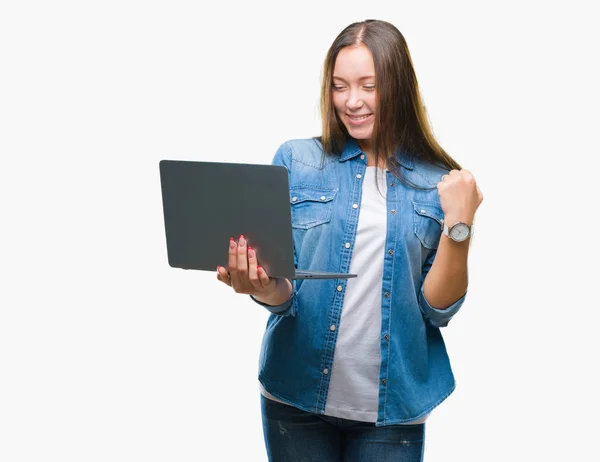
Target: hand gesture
{"type": "Point", "coordinates": [459, 196]}
{"type": "Point", "coordinates": [246, 277]}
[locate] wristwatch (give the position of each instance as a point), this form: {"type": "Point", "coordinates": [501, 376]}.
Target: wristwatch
{"type": "Point", "coordinates": [458, 232]}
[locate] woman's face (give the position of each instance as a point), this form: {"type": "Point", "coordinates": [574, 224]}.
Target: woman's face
{"type": "Point", "coordinates": [354, 92]}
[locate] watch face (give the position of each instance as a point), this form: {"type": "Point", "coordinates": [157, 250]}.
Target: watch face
{"type": "Point", "coordinates": [459, 232]}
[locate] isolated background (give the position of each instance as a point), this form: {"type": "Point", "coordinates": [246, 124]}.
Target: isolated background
{"type": "Point", "coordinates": [107, 353]}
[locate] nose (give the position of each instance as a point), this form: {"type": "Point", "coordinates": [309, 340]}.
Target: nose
{"type": "Point", "coordinates": [354, 101]}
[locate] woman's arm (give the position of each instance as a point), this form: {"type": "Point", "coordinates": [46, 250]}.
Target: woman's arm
{"type": "Point", "coordinates": [447, 279]}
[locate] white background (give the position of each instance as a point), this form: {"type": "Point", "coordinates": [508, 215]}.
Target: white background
{"type": "Point", "coordinates": [109, 354]}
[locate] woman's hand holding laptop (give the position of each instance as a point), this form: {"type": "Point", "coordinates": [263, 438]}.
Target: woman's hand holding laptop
{"type": "Point", "coordinates": [246, 277]}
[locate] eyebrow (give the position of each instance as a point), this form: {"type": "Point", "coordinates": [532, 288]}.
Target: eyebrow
{"type": "Point", "coordinates": [368, 77]}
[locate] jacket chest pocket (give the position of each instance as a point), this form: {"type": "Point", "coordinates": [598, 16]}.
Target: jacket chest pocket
{"type": "Point", "coordinates": [311, 206]}
{"type": "Point", "coordinates": [428, 220]}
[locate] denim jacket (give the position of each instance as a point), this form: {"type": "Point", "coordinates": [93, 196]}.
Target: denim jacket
{"type": "Point", "coordinates": [298, 345]}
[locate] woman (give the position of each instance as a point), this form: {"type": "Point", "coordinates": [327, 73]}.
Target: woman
{"type": "Point", "coordinates": [351, 368]}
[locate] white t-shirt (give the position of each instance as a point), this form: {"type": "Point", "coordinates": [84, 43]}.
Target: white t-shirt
{"type": "Point", "coordinates": [354, 384]}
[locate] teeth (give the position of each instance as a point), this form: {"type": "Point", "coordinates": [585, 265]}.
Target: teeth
{"type": "Point", "coordinates": [359, 117]}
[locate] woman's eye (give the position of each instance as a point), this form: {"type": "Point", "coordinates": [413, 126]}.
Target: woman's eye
{"type": "Point", "coordinates": [338, 87]}
{"type": "Point", "coordinates": [369, 87]}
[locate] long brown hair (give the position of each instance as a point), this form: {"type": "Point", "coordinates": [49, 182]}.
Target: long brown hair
{"type": "Point", "coordinates": [401, 121]}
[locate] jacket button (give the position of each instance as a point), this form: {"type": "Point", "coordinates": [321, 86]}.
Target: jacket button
{"type": "Point", "coordinates": [383, 381]}
{"type": "Point", "coordinates": [386, 295]}
{"type": "Point", "coordinates": [347, 245]}
{"type": "Point", "coordinates": [359, 176]}
{"type": "Point", "coordinates": [393, 211]}
{"type": "Point", "coordinates": [354, 206]}
{"type": "Point", "coordinates": [294, 199]}
{"type": "Point", "coordinates": [332, 328]}
{"type": "Point", "coordinates": [339, 288]}
{"type": "Point", "coordinates": [391, 252]}
{"type": "Point", "coordinates": [392, 184]}
{"type": "Point", "coordinates": [325, 371]}
{"type": "Point", "coordinates": [386, 336]}
{"type": "Point", "coordinates": [323, 198]}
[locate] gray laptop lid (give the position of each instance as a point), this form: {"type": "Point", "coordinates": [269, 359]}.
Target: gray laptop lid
{"type": "Point", "coordinates": [207, 203]}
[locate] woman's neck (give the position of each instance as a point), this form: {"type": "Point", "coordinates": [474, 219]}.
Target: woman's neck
{"type": "Point", "coordinates": [371, 161]}
{"type": "Point", "coordinates": [366, 147]}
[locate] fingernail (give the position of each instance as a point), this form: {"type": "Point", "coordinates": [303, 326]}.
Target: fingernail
{"type": "Point", "coordinates": [231, 243]}
{"type": "Point", "coordinates": [242, 240]}
{"type": "Point", "coordinates": [250, 252]}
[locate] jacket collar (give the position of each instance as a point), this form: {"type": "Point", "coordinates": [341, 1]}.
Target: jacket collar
{"type": "Point", "coordinates": [351, 150]}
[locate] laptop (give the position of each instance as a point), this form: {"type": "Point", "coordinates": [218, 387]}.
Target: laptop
{"type": "Point", "coordinates": [207, 203]}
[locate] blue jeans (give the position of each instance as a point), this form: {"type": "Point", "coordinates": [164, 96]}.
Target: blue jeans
{"type": "Point", "coordinates": [292, 435]}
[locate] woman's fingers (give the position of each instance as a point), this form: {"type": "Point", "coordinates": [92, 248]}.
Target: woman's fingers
{"type": "Point", "coordinates": [223, 275]}
{"type": "Point", "coordinates": [258, 275]}
{"type": "Point", "coordinates": [239, 267]}
{"type": "Point", "coordinates": [245, 276]}
{"type": "Point", "coordinates": [253, 269]}
{"type": "Point", "coordinates": [233, 262]}
{"type": "Point", "coordinates": [263, 276]}
{"type": "Point", "coordinates": [242, 259]}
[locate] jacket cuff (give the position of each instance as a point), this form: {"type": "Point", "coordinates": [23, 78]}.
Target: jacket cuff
{"type": "Point", "coordinates": [438, 317]}
{"type": "Point", "coordinates": [287, 308]}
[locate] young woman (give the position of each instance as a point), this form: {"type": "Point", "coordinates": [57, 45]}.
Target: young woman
{"type": "Point", "coordinates": [351, 368]}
